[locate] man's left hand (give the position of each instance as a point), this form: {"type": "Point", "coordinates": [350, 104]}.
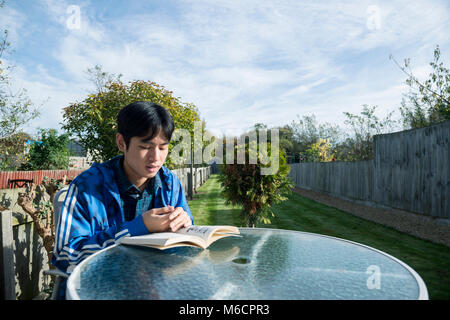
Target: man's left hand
{"type": "Point", "coordinates": [179, 219]}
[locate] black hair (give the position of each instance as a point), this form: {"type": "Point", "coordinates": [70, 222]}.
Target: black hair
{"type": "Point", "coordinates": [144, 119]}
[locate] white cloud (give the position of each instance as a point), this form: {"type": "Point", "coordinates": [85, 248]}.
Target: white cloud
{"type": "Point", "coordinates": [253, 61]}
{"type": "Point", "coordinates": [13, 21]}
{"type": "Point", "coordinates": [49, 93]}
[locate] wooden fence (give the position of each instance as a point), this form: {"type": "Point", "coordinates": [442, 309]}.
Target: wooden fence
{"type": "Point", "coordinates": [8, 177]}
{"type": "Point", "coordinates": [353, 180]}
{"type": "Point", "coordinates": [200, 175]}
{"type": "Point", "coordinates": [410, 171]}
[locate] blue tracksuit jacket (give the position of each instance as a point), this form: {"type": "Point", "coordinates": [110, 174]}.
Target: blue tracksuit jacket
{"type": "Point", "coordinates": [92, 218]}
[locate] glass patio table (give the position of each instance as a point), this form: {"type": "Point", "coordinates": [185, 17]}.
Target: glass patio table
{"type": "Point", "coordinates": [262, 264]}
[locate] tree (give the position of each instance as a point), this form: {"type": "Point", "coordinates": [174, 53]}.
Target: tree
{"type": "Point", "coordinates": [364, 127]}
{"type": "Point", "coordinates": [93, 121]}
{"type": "Point", "coordinates": [300, 136]}
{"type": "Point", "coordinates": [307, 131]}
{"type": "Point", "coordinates": [4, 45]}
{"type": "Point", "coordinates": [319, 151]}
{"type": "Point", "coordinates": [244, 184]}
{"type": "Point", "coordinates": [50, 152]}
{"type": "Point", "coordinates": [287, 141]}
{"type": "Point", "coordinates": [42, 213]}
{"type": "Point", "coordinates": [427, 102]}
{"type": "Point", "coordinates": [12, 151]}
{"type": "Point", "coordinates": [16, 110]}
{"type": "Point", "coordinates": [101, 78]}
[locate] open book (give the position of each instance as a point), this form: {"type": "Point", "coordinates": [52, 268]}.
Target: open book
{"type": "Point", "coordinates": [194, 236]}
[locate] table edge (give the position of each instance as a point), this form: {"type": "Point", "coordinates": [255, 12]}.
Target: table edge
{"type": "Point", "coordinates": [71, 293]}
{"type": "Point", "coordinates": [423, 291]}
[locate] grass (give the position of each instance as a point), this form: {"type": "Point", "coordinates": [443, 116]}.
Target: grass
{"type": "Point", "coordinates": [430, 260]}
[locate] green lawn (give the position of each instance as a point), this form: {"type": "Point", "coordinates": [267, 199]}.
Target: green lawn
{"type": "Point", "coordinates": [430, 260]}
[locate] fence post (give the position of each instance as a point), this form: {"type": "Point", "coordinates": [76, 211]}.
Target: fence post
{"type": "Point", "coordinates": [190, 184]}
{"type": "Point", "coordinates": [7, 276]}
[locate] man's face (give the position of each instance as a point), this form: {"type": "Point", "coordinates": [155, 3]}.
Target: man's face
{"type": "Point", "coordinates": [144, 157]}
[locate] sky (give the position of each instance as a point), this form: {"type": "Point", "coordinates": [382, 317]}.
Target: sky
{"type": "Point", "coordinates": [239, 62]}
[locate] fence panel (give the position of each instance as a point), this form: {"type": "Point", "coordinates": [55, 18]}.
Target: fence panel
{"type": "Point", "coordinates": [352, 180]}
{"type": "Point", "coordinates": [200, 175]}
{"type": "Point", "coordinates": [36, 176]}
{"type": "Point", "coordinates": [412, 170]}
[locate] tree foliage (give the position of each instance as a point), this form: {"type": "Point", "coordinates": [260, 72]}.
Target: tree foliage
{"type": "Point", "coordinates": [93, 121]}
{"type": "Point", "coordinates": [101, 78]}
{"type": "Point", "coordinates": [243, 184]}
{"type": "Point", "coordinates": [16, 110]}
{"type": "Point", "coordinates": [50, 152]}
{"type": "Point", "coordinates": [323, 142]}
{"type": "Point", "coordinates": [306, 132]}
{"type": "Point", "coordinates": [319, 151]}
{"type": "Point", "coordinates": [427, 102]}
{"type": "Point", "coordinates": [287, 143]}
{"type": "Point", "coordinates": [359, 145]}
{"type": "Point", "coordinates": [12, 151]}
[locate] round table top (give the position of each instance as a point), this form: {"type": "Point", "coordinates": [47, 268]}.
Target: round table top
{"type": "Point", "coordinates": [263, 264]}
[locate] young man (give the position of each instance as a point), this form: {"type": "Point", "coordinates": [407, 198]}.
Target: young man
{"type": "Point", "coordinates": [129, 195]}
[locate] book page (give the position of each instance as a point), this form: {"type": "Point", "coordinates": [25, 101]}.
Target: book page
{"type": "Point", "coordinates": [201, 236]}
{"type": "Point", "coordinates": [162, 239]}
{"type": "Point", "coordinates": [199, 231]}
{"type": "Point", "coordinates": [209, 233]}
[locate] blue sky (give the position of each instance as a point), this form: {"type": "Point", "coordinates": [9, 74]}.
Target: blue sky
{"type": "Point", "coordinates": [239, 62]}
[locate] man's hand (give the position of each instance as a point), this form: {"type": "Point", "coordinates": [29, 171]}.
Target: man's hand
{"type": "Point", "coordinates": [166, 219]}
{"type": "Point", "coordinates": [179, 219]}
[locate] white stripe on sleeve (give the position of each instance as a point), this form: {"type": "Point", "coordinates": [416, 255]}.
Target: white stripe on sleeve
{"type": "Point", "coordinates": [62, 220]}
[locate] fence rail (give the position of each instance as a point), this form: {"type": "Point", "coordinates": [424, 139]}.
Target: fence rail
{"type": "Point", "coordinates": [200, 175]}
{"type": "Point", "coordinates": [410, 171]}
